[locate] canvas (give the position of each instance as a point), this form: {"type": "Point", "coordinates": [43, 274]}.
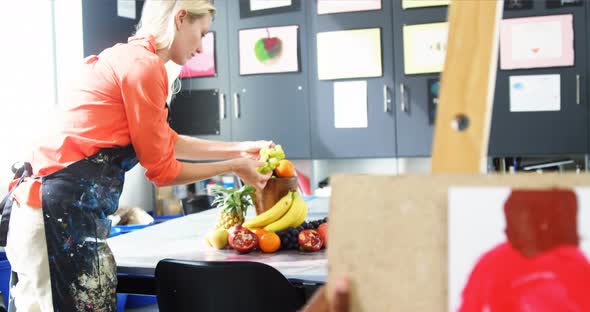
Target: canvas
{"type": "Point", "coordinates": [510, 248]}
{"type": "Point", "coordinates": [269, 50]}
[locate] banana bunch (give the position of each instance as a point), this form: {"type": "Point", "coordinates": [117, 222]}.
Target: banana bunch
{"type": "Point", "coordinates": [289, 211]}
{"type": "Point", "coordinates": [293, 218]}
{"type": "Point", "coordinates": [271, 215]}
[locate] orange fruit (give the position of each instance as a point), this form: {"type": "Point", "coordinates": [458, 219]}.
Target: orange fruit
{"type": "Point", "coordinates": [259, 233]}
{"type": "Point", "coordinates": [285, 169]}
{"type": "Point", "coordinates": [269, 242]}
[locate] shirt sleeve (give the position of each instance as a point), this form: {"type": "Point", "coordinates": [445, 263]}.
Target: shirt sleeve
{"type": "Point", "coordinates": [144, 90]}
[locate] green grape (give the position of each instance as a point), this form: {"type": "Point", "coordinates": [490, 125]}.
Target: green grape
{"type": "Point", "coordinates": [271, 156]}
{"type": "Point", "coordinates": [273, 162]}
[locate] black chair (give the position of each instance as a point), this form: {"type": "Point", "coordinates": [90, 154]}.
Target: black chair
{"type": "Point", "coordinates": [232, 286]}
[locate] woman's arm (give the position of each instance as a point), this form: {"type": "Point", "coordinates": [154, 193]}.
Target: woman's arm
{"type": "Point", "coordinates": [245, 168]}
{"type": "Point", "coordinates": [189, 148]}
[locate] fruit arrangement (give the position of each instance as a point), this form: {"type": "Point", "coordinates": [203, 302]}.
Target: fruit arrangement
{"type": "Point", "coordinates": [282, 227]}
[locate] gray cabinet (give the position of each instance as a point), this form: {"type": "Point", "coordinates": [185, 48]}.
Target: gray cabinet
{"type": "Point", "coordinates": [545, 132]}
{"type": "Point", "coordinates": [270, 106]}
{"type": "Point", "coordinates": [220, 82]}
{"type": "Point", "coordinates": [378, 138]}
{"type": "Point", "coordinates": [414, 125]}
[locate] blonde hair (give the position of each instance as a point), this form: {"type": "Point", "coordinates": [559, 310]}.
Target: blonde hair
{"type": "Point", "coordinates": [157, 19]}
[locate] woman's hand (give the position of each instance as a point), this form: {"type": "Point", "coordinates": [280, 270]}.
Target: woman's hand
{"type": "Point", "coordinates": [251, 149]}
{"type": "Point", "coordinates": [245, 168]}
{"type": "Point", "coordinates": [337, 300]}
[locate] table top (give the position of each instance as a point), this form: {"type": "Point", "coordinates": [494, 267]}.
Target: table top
{"type": "Point", "coordinates": [184, 239]}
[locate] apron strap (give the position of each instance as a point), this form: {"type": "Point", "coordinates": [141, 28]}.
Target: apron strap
{"type": "Point", "coordinates": [6, 205]}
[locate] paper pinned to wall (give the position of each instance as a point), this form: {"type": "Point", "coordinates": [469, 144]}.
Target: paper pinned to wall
{"type": "Point", "coordinates": [269, 50]}
{"type": "Point", "coordinates": [534, 93]}
{"type": "Point", "coordinates": [349, 54]}
{"type": "Point", "coordinates": [425, 48]}
{"type": "Point", "coordinates": [126, 8]}
{"type": "Point", "coordinates": [342, 6]}
{"type": "Point", "coordinates": [350, 104]}
{"type": "Point", "coordinates": [256, 5]}
{"type": "Point", "coordinates": [410, 4]}
{"type": "Point", "coordinates": [532, 42]}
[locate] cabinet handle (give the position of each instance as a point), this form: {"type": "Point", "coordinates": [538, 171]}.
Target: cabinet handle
{"type": "Point", "coordinates": [236, 105]}
{"type": "Point", "coordinates": [221, 105]}
{"type": "Point", "coordinates": [386, 99]}
{"type": "Point", "coordinates": [578, 89]}
{"type": "Point", "coordinates": [402, 94]}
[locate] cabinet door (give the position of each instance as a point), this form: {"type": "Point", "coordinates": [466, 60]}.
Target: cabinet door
{"type": "Point", "coordinates": [102, 27]}
{"type": "Point", "coordinates": [219, 82]}
{"type": "Point", "coordinates": [545, 132]}
{"type": "Point", "coordinates": [377, 139]}
{"type": "Point", "coordinates": [270, 106]}
{"type": "Point", "coordinates": [414, 114]}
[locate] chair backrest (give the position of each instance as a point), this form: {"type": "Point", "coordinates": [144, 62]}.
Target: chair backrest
{"type": "Point", "coordinates": [201, 286]}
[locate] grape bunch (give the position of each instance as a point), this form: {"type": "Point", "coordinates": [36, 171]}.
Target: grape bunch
{"type": "Point", "coordinates": [313, 225]}
{"type": "Point", "coordinates": [289, 240]}
{"type": "Point", "coordinates": [271, 156]}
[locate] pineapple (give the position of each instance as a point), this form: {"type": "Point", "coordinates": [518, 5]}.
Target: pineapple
{"type": "Point", "coordinates": [233, 204]}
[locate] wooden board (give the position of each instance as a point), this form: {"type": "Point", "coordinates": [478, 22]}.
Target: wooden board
{"type": "Point", "coordinates": [389, 235]}
{"type": "Point", "coordinates": [467, 87]}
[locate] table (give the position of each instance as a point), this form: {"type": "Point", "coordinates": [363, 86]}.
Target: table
{"type": "Point", "coordinates": [137, 253]}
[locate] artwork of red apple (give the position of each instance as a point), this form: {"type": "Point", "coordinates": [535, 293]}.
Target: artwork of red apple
{"type": "Point", "coordinates": [268, 50]}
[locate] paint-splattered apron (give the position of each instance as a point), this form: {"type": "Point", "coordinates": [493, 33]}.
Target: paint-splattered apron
{"type": "Point", "coordinates": [76, 202]}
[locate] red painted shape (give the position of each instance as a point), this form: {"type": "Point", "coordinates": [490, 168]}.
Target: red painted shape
{"type": "Point", "coordinates": [540, 268]}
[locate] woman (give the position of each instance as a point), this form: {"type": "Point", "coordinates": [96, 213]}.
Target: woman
{"type": "Point", "coordinates": [116, 116]}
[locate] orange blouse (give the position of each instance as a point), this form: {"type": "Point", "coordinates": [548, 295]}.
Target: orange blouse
{"type": "Point", "coordinates": [118, 100]}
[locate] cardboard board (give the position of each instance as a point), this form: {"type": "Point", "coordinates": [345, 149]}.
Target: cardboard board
{"type": "Point", "coordinates": [389, 235]}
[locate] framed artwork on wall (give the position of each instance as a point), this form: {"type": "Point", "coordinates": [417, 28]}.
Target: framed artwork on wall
{"type": "Point", "coordinates": [536, 42]}
{"type": "Point", "coordinates": [269, 50]}
{"type": "Point", "coordinates": [252, 8]}
{"type": "Point", "coordinates": [202, 64]}
{"type": "Point", "coordinates": [331, 6]}
{"type": "Point", "coordinates": [347, 54]}
{"type": "Point", "coordinates": [425, 48]}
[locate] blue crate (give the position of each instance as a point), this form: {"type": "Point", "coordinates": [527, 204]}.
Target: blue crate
{"type": "Point", "coordinates": [4, 277]}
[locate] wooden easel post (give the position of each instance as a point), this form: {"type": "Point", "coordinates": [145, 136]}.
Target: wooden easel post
{"type": "Point", "coordinates": [463, 118]}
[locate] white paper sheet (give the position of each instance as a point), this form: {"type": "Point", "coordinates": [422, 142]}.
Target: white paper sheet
{"type": "Point", "coordinates": [126, 8]}
{"type": "Point", "coordinates": [477, 223]}
{"type": "Point", "coordinates": [535, 93]}
{"type": "Point", "coordinates": [349, 54]}
{"type": "Point", "coordinates": [350, 104]}
{"type": "Point", "coordinates": [256, 5]}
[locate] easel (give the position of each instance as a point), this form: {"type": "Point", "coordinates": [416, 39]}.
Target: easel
{"type": "Point", "coordinates": [388, 234]}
